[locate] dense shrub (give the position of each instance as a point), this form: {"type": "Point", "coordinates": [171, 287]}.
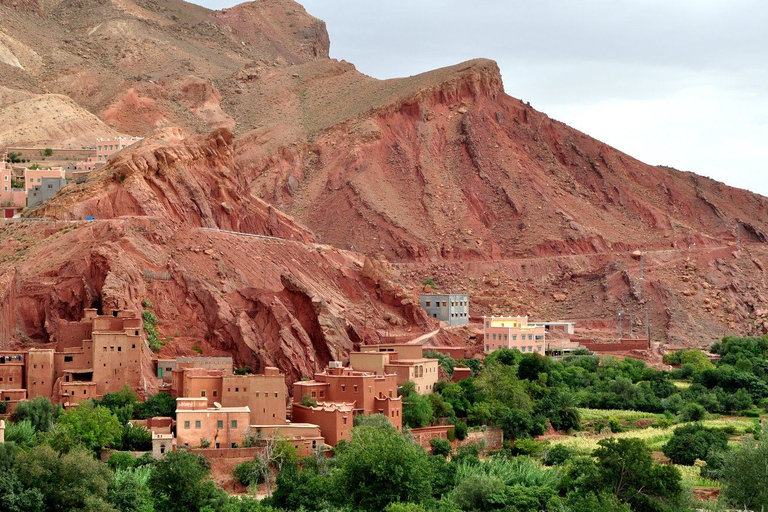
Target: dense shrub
{"type": "Point", "coordinates": [691, 442]}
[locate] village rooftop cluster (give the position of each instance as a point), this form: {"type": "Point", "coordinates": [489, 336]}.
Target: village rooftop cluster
{"type": "Point", "coordinates": [221, 409]}
{"type": "Point", "coordinates": [29, 176]}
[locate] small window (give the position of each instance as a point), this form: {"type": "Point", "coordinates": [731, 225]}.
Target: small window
{"type": "Point", "coordinates": [237, 390]}
{"type": "Point", "coordinates": [67, 359]}
{"type": "Point", "coordinates": [202, 393]}
{"type": "Point", "coordinates": [220, 424]}
{"type": "Point", "coordinates": [234, 423]}
{"type": "Point", "coordinates": [215, 393]}
{"type": "Point", "coordinates": [275, 394]}
{"type": "Point", "coordinates": [197, 423]}
{"type": "Point", "coordinates": [119, 349]}
{"type": "Point", "coordinates": [344, 420]}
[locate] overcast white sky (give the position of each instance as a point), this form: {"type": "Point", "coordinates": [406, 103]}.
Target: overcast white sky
{"type": "Point", "coordinates": [682, 83]}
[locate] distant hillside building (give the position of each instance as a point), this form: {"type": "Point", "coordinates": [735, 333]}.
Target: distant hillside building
{"type": "Point", "coordinates": [44, 191]}
{"type": "Point", "coordinates": [33, 177]}
{"type": "Point", "coordinates": [405, 360]}
{"type": "Point", "coordinates": [451, 308]}
{"type": "Point", "coordinates": [108, 147]}
{"type": "Point", "coordinates": [513, 332]}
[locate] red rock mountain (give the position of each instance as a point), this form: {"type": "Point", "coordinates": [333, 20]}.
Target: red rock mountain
{"type": "Point", "coordinates": [442, 173]}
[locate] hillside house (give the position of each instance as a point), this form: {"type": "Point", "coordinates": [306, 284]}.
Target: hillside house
{"type": "Point", "coordinates": [513, 332]}
{"type": "Point", "coordinates": [405, 360]}
{"type": "Point", "coordinates": [450, 308]}
{"type": "Point", "coordinates": [105, 148]}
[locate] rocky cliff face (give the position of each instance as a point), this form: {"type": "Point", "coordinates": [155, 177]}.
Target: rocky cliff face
{"type": "Point", "coordinates": [225, 272]}
{"type": "Point", "coordinates": [442, 173]}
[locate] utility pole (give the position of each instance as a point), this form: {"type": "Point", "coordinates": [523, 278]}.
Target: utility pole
{"type": "Point", "coordinates": [620, 326]}
{"type": "Point", "coordinates": [647, 326]}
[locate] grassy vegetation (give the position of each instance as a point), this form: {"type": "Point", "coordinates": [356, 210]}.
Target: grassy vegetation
{"type": "Point", "coordinates": [655, 438]}
{"type": "Point", "coordinates": [619, 414]}
{"type": "Point", "coordinates": [692, 477]}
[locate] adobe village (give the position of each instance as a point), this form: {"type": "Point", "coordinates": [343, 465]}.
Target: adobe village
{"type": "Point", "coordinates": [239, 274]}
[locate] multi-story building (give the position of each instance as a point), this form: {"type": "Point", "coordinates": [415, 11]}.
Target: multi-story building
{"type": "Point", "coordinates": [336, 395]}
{"type": "Point", "coordinates": [108, 147]}
{"type": "Point", "coordinates": [513, 332]}
{"type": "Point", "coordinates": [335, 420]}
{"type": "Point", "coordinates": [264, 394]}
{"type": "Point", "coordinates": [405, 360]}
{"type": "Point", "coordinates": [33, 177]}
{"type": "Point", "coordinates": [219, 427]}
{"type": "Point", "coordinates": [105, 363]}
{"type": "Point", "coordinates": [106, 358]}
{"type": "Point", "coordinates": [11, 199]}
{"type": "Point", "coordinates": [452, 308]}
{"type": "Point", "coordinates": [367, 392]}
{"type": "Point", "coordinates": [44, 191]}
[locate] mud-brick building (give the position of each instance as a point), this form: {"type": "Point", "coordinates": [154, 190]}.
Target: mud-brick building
{"type": "Point", "coordinates": [12, 370]}
{"type": "Point", "coordinates": [405, 360]}
{"type": "Point", "coordinates": [513, 332]}
{"type": "Point", "coordinates": [197, 424]}
{"type": "Point", "coordinates": [452, 308]}
{"type": "Point", "coordinates": [105, 363]}
{"type": "Point", "coordinates": [166, 367]}
{"type": "Point", "coordinates": [108, 147]}
{"type": "Point", "coordinates": [305, 437]}
{"type": "Point", "coordinates": [264, 394]}
{"type": "Point", "coordinates": [335, 419]}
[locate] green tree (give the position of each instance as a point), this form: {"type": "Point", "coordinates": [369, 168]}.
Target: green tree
{"type": "Point", "coordinates": [21, 433]}
{"type": "Point", "coordinates": [73, 481]}
{"type": "Point", "coordinates": [408, 388]}
{"type": "Point", "coordinates": [691, 442]}
{"type": "Point", "coordinates": [128, 491]}
{"type": "Point", "coordinates": [121, 403]}
{"type": "Point", "coordinates": [745, 477]}
{"type": "Point", "coordinates": [39, 411]}
{"type": "Point", "coordinates": [626, 468]}
{"type": "Point", "coordinates": [373, 420]}
{"type": "Point", "coordinates": [91, 426]}
{"type": "Point", "coordinates": [249, 472]}
{"type": "Point", "coordinates": [417, 411]}
{"type": "Point", "coordinates": [48, 152]}
{"type": "Point", "coordinates": [179, 483]}
{"type": "Point", "coordinates": [161, 404]}
{"type": "Point", "coordinates": [440, 446]}
{"type": "Point", "coordinates": [136, 438]}
{"type": "Point", "coordinates": [15, 498]}
{"type": "Point", "coordinates": [379, 467]}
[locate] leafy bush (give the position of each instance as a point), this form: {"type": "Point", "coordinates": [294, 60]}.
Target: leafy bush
{"type": "Point", "coordinates": [440, 446]}
{"type": "Point", "coordinates": [39, 411]}
{"type": "Point", "coordinates": [692, 442]}
{"type": "Point", "coordinates": [150, 329]}
{"type": "Point", "coordinates": [22, 433]}
{"type": "Point", "coordinates": [693, 412]}
{"type": "Point", "coordinates": [460, 430]}
{"type": "Point", "coordinates": [557, 455]}
{"type": "Point", "coordinates": [121, 460]}
{"type": "Point", "coordinates": [249, 473]}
